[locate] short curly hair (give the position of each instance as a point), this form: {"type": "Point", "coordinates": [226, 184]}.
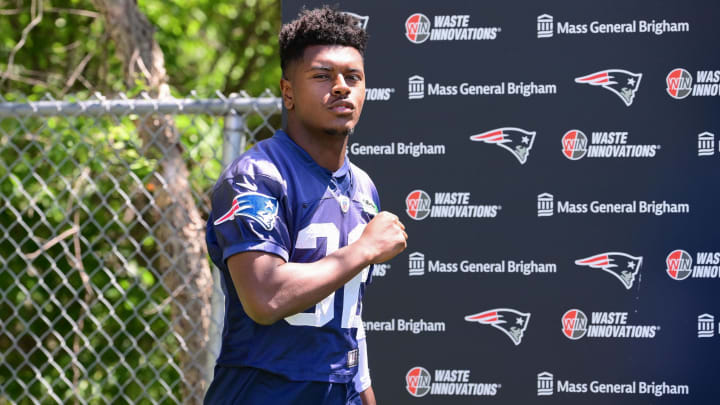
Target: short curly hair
{"type": "Point", "coordinates": [320, 26]}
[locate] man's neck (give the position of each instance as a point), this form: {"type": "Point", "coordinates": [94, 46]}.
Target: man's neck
{"type": "Point", "coordinates": [327, 150]}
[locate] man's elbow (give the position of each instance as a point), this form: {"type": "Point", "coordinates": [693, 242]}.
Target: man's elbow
{"type": "Point", "coordinates": [261, 313]}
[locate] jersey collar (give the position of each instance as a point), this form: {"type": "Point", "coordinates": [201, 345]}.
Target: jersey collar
{"type": "Point", "coordinates": [305, 157]}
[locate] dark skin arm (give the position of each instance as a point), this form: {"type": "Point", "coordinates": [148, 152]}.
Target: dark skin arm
{"type": "Point", "coordinates": [368, 397]}
{"type": "Point", "coordinates": [271, 289]}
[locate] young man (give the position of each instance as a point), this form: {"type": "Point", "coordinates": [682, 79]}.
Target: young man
{"type": "Point", "coordinates": [294, 230]}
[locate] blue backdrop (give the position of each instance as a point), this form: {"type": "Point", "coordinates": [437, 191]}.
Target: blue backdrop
{"type": "Point", "coordinates": [557, 168]}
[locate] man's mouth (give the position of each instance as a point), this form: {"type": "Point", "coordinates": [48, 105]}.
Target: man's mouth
{"type": "Point", "coordinates": [342, 107]}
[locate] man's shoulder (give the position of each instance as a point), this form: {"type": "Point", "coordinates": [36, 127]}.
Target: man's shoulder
{"type": "Point", "coordinates": [259, 163]}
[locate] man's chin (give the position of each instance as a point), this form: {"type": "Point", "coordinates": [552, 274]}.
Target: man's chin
{"type": "Point", "coordinates": [344, 132]}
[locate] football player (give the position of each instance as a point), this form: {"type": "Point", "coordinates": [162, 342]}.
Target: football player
{"type": "Point", "coordinates": [295, 230]}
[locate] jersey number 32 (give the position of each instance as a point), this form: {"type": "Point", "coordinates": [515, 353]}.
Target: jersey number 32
{"type": "Point", "coordinates": [325, 309]}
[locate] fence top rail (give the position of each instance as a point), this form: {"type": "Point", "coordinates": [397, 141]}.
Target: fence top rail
{"type": "Point", "coordinates": [96, 107]}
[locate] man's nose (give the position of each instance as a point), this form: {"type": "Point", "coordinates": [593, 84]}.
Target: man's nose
{"type": "Point", "coordinates": [340, 87]}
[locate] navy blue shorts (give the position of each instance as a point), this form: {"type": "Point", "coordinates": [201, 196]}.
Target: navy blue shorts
{"type": "Point", "coordinates": [252, 386]}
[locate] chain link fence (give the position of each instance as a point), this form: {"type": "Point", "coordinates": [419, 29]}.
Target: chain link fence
{"type": "Point", "coordinates": [107, 291]}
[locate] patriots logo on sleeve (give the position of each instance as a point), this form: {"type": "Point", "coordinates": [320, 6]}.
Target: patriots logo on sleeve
{"type": "Point", "coordinates": [511, 322]}
{"type": "Point", "coordinates": [515, 140]}
{"type": "Point", "coordinates": [621, 82]}
{"type": "Point", "coordinates": [621, 265]}
{"type": "Point", "coordinates": [259, 207]}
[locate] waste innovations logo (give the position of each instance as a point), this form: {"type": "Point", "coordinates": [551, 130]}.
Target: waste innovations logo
{"type": "Point", "coordinates": [605, 144]}
{"type": "Point", "coordinates": [418, 266]}
{"type": "Point", "coordinates": [418, 205]}
{"type": "Point", "coordinates": [547, 27]}
{"type": "Point", "coordinates": [622, 83]}
{"type": "Point", "coordinates": [446, 205]}
{"type": "Point", "coordinates": [706, 144]}
{"type": "Point", "coordinates": [548, 206]}
{"type": "Point", "coordinates": [417, 89]}
{"type": "Point", "coordinates": [574, 324]}
{"type": "Point", "coordinates": [380, 270]}
{"type": "Point", "coordinates": [447, 382]}
{"type": "Point", "coordinates": [419, 28]}
{"type": "Point", "coordinates": [360, 20]}
{"type": "Point", "coordinates": [679, 83]}
{"type": "Point", "coordinates": [622, 266]}
{"type": "Point", "coordinates": [511, 322]}
{"type": "Point", "coordinates": [397, 149]}
{"type": "Point", "coordinates": [418, 381]}
{"type": "Point", "coordinates": [680, 265]}
{"type": "Point", "coordinates": [706, 326]}
{"type": "Point", "coordinates": [574, 144]}
{"type": "Point", "coordinates": [547, 385]}
{"type": "Point", "coordinates": [514, 140]}
{"type": "Point", "coordinates": [604, 325]}
{"type": "Point", "coordinates": [379, 93]}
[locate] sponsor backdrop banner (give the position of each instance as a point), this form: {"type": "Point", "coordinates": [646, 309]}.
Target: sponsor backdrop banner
{"type": "Point", "coordinates": [557, 168]}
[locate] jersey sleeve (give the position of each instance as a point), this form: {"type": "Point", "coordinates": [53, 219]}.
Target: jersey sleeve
{"type": "Point", "coordinates": [249, 214]}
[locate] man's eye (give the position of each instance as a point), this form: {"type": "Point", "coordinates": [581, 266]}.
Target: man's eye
{"type": "Point", "coordinates": [321, 76]}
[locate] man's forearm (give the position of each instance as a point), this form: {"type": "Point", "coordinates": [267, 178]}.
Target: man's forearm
{"type": "Point", "coordinates": [368, 397]}
{"type": "Point", "coordinates": [294, 287]}
{"type": "Point", "coordinates": [270, 289]}
{"type": "Point", "coordinates": [275, 289]}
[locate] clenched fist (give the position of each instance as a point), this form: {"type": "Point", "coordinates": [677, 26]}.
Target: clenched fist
{"type": "Point", "coordinates": [384, 237]}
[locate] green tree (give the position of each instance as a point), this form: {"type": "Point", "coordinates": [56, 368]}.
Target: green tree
{"type": "Point", "coordinates": [78, 185]}
{"type": "Point", "coordinates": [63, 46]}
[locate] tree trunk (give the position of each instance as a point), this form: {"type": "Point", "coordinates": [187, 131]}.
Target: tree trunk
{"type": "Point", "coordinates": [184, 267]}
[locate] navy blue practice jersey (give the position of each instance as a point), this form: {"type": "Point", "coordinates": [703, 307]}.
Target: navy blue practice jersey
{"type": "Point", "coordinates": [276, 199]}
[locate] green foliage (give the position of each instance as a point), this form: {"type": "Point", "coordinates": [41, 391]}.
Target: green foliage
{"type": "Point", "coordinates": [116, 339]}
{"type": "Point", "coordinates": [209, 45]}
{"type": "Point", "coordinates": [218, 45]}
{"type": "Point", "coordinates": [111, 333]}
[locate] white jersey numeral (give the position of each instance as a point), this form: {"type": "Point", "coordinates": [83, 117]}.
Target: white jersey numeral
{"type": "Point", "coordinates": [351, 295]}
{"type": "Point", "coordinates": [325, 309]}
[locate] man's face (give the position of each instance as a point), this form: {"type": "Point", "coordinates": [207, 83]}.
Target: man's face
{"type": "Point", "coordinates": [326, 89]}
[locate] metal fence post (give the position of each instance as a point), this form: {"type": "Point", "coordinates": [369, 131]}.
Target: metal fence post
{"type": "Point", "coordinates": [234, 141]}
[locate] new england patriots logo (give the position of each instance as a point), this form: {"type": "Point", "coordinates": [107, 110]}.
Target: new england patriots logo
{"type": "Point", "coordinates": [360, 20]}
{"type": "Point", "coordinates": [621, 265]}
{"type": "Point", "coordinates": [259, 207]}
{"type": "Point", "coordinates": [515, 140]}
{"type": "Point", "coordinates": [621, 82]}
{"type": "Point", "coordinates": [511, 322]}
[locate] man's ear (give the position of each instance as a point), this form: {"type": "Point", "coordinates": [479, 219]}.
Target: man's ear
{"type": "Point", "coordinates": [287, 94]}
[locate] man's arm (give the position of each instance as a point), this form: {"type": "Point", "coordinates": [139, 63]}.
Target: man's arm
{"type": "Point", "coordinates": [271, 289]}
{"type": "Point", "coordinates": [362, 381]}
{"type": "Point", "coordinates": [368, 397]}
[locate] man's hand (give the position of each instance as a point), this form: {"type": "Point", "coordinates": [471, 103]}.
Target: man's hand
{"type": "Point", "coordinates": [384, 237]}
{"type": "Point", "coordinates": [270, 289]}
